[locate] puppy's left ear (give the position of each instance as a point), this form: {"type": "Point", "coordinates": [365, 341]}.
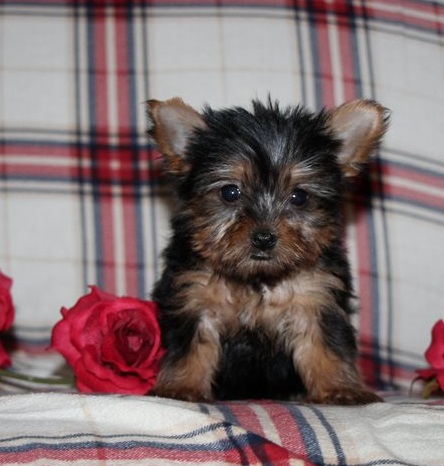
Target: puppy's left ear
{"type": "Point", "coordinates": [360, 125]}
{"type": "Point", "coordinates": [171, 123]}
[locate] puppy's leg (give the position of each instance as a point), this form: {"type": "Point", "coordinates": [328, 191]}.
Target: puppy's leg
{"type": "Point", "coordinates": [325, 356]}
{"type": "Point", "coordinates": [187, 373]}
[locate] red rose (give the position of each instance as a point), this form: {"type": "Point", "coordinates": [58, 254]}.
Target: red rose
{"type": "Point", "coordinates": [113, 344]}
{"type": "Point", "coordinates": [6, 306]}
{"type": "Point", "coordinates": [435, 356]}
{"type": "Point", "coordinates": [6, 314]}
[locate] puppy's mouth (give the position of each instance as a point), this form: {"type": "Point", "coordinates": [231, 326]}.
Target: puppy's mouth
{"type": "Point", "coordinates": [261, 256]}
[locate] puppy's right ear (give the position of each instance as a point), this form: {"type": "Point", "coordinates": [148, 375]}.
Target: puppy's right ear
{"type": "Point", "coordinates": [171, 124]}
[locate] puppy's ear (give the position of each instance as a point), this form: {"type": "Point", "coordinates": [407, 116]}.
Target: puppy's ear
{"type": "Point", "coordinates": [171, 124]}
{"type": "Point", "coordinates": [360, 125]}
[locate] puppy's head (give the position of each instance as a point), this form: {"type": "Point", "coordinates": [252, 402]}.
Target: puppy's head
{"type": "Point", "coordinates": [261, 189]}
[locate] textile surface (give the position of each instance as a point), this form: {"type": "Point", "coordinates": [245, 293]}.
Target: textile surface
{"type": "Point", "coordinates": [93, 430]}
{"type": "Point", "coordinates": [82, 203]}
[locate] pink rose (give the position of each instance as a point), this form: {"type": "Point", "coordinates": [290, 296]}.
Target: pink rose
{"type": "Point", "coordinates": [113, 344]}
{"type": "Point", "coordinates": [435, 356]}
{"type": "Point", "coordinates": [6, 314]}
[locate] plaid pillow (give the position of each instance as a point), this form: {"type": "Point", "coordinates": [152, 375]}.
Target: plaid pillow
{"type": "Point", "coordinates": [80, 195]}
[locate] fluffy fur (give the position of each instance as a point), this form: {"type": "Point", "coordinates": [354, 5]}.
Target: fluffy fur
{"type": "Point", "coordinates": [255, 293]}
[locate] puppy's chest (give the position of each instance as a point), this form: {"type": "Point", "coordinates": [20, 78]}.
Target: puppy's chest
{"type": "Point", "coordinates": [229, 305]}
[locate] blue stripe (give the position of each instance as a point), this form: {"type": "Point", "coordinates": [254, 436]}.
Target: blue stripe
{"type": "Point", "coordinates": [256, 442]}
{"type": "Point", "coordinates": [220, 445]}
{"type": "Point", "coordinates": [185, 436]}
{"type": "Point", "coordinates": [308, 434]}
{"type": "Point", "coordinates": [342, 460]}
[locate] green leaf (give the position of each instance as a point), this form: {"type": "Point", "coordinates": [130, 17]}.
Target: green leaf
{"type": "Point", "coordinates": [429, 388]}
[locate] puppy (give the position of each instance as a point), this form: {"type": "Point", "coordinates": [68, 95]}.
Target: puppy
{"type": "Point", "coordinates": [255, 293]}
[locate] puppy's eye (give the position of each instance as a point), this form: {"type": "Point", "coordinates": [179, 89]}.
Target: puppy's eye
{"type": "Point", "coordinates": [299, 197]}
{"type": "Point", "coordinates": [230, 193]}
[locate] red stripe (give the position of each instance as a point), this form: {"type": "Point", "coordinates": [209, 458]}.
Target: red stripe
{"type": "Point", "coordinates": [123, 73]}
{"type": "Point", "coordinates": [49, 172]}
{"type": "Point", "coordinates": [290, 436]}
{"type": "Point", "coordinates": [101, 125]}
{"type": "Point", "coordinates": [107, 266]}
{"type": "Point", "coordinates": [288, 430]}
{"type": "Point", "coordinates": [363, 245]}
{"type": "Point", "coordinates": [431, 8]}
{"type": "Point", "coordinates": [390, 372]}
{"type": "Point", "coordinates": [407, 18]}
{"type": "Point", "coordinates": [406, 173]}
{"type": "Point", "coordinates": [69, 173]}
{"type": "Point", "coordinates": [246, 414]}
{"type": "Point", "coordinates": [347, 56]}
{"type": "Point", "coordinates": [130, 244]}
{"type": "Point", "coordinates": [411, 193]}
{"type": "Point", "coordinates": [428, 200]}
{"type": "Point", "coordinates": [124, 105]}
{"type": "Point", "coordinates": [372, 10]}
{"type": "Point", "coordinates": [366, 305]}
{"type": "Point", "coordinates": [125, 173]}
{"type": "Point", "coordinates": [324, 61]}
{"type": "Point", "coordinates": [38, 150]}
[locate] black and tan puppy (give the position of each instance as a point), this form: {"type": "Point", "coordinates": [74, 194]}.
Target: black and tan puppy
{"type": "Point", "coordinates": [255, 292]}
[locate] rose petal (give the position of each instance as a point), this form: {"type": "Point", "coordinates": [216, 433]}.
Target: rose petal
{"type": "Point", "coordinates": [94, 377]}
{"type": "Point", "coordinates": [61, 341]}
{"type": "Point", "coordinates": [426, 374]}
{"type": "Point", "coordinates": [125, 328]}
{"type": "Point", "coordinates": [6, 305]}
{"type": "Point", "coordinates": [435, 352]}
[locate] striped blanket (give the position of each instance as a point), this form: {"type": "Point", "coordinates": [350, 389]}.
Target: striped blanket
{"type": "Point", "coordinates": [57, 429]}
{"type": "Point", "coordinates": [82, 203]}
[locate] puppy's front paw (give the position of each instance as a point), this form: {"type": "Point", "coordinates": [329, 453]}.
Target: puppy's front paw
{"type": "Point", "coordinates": [346, 397]}
{"type": "Point", "coordinates": [184, 395]}
{"type": "Point", "coordinates": [173, 389]}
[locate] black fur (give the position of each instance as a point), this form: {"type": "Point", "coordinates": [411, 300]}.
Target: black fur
{"type": "Point", "coordinates": [268, 138]}
{"type": "Point", "coordinates": [254, 367]}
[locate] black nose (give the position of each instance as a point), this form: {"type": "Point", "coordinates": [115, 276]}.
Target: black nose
{"type": "Point", "coordinates": [263, 240]}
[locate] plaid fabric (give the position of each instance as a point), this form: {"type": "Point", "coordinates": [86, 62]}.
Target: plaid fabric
{"type": "Point", "coordinates": [80, 197]}
{"type": "Point", "coordinates": [89, 430]}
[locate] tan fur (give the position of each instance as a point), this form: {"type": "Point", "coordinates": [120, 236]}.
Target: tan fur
{"type": "Point", "coordinates": [173, 123]}
{"type": "Point", "coordinates": [192, 378]}
{"type": "Point", "coordinates": [288, 311]}
{"type": "Point", "coordinates": [360, 124]}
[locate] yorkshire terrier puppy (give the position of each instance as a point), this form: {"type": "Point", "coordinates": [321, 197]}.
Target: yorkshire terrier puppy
{"type": "Point", "coordinates": [255, 294]}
